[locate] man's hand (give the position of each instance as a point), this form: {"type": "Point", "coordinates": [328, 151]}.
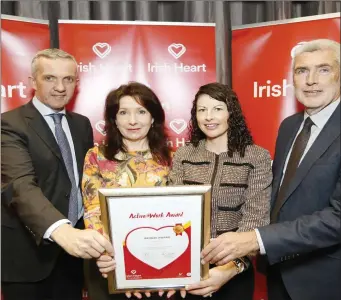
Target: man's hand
{"type": "Point", "coordinates": [229, 246]}
{"type": "Point", "coordinates": [106, 264]}
{"type": "Point", "coordinates": [86, 243]}
{"type": "Point", "coordinates": [218, 276]}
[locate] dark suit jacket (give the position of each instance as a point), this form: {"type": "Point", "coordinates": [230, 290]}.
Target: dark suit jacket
{"type": "Point", "coordinates": [33, 167]}
{"type": "Point", "coordinates": [305, 241]}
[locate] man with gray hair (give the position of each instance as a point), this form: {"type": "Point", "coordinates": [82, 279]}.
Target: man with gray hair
{"type": "Point", "coordinates": [42, 156]}
{"type": "Point", "coordinates": [302, 245]}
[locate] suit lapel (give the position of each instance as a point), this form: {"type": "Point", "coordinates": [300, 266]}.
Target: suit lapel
{"type": "Point", "coordinates": [38, 124]}
{"type": "Point", "coordinates": [77, 141]}
{"type": "Point", "coordinates": [326, 137]}
{"type": "Point", "coordinates": [287, 140]}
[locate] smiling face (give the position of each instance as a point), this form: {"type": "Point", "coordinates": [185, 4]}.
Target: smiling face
{"type": "Point", "coordinates": [212, 116]}
{"type": "Point", "coordinates": [316, 79]}
{"type": "Point", "coordinates": [55, 81]}
{"type": "Point", "coordinates": [133, 121]}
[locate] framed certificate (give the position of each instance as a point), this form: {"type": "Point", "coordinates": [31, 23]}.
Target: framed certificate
{"type": "Point", "coordinates": [158, 234]}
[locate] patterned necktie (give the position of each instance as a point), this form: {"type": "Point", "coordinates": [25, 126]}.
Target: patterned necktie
{"type": "Point", "coordinates": [293, 162]}
{"type": "Point", "coordinates": [65, 149]}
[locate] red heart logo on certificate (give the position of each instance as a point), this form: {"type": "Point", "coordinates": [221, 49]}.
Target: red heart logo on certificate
{"type": "Point", "coordinates": [156, 247]}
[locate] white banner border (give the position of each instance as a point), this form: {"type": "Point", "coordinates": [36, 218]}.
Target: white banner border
{"type": "Point", "coordinates": [24, 19]}
{"type": "Point", "coordinates": [108, 22]}
{"type": "Point", "coordinates": [287, 21]}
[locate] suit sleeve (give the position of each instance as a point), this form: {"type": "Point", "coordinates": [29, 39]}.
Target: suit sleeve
{"type": "Point", "coordinates": [305, 234]}
{"type": "Point", "coordinates": [33, 209]}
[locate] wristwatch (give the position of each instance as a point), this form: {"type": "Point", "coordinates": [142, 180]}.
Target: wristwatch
{"type": "Point", "coordinates": [239, 265]}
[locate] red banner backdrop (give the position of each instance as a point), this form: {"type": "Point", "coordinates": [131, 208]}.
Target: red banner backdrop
{"type": "Point", "coordinates": [21, 38]}
{"type": "Point", "coordinates": [262, 77]}
{"type": "Point", "coordinates": [174, 59]}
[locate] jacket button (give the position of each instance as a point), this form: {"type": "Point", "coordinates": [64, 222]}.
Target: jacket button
{"type": "Point", "coordinates": [67, 195]}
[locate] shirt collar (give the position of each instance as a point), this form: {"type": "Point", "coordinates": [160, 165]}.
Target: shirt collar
{"type": "Point", "coordinates": [43, 109]}
{"type": "Point", "coordinates": [321, 118]}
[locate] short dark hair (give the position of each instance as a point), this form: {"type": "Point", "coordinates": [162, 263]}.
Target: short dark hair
{"type": "Point", "coordinates": [239, 136]}
{"type": "Point", "coordinates": [157, 137]}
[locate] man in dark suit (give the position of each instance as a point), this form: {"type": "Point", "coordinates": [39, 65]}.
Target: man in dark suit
{"type": "Point", "coordinates": [42, 154]}
{"type": "Point", "coordinates": [302, 244]}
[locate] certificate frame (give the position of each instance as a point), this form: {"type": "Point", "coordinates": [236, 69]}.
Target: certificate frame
{"type": "Point", "coordinates": [193, 202]}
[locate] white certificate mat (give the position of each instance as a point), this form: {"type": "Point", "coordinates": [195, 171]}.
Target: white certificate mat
{"type": "Point", "coordinates": [157, 240]}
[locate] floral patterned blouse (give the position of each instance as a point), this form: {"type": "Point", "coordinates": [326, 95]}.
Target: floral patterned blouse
{"type": "Point", "coordinates": [133, 169]}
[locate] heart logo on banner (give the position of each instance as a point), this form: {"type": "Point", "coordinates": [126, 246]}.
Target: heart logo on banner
{"type": "Point", "coordinates": [144, 244]}
{"type": "Point", "coordinates": [101, 49]}
{"type": "Point", "coordinates": [176, 50]}
{"type": "Point", "coordinates": [100, 127]}
{"type": "Point", "coordinates": [178, 125]}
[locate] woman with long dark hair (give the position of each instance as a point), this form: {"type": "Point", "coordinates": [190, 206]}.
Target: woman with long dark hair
{"type": "Point", "coordinates": [222, 153]}
{"type": "Point", "coordinates": [134, 154]}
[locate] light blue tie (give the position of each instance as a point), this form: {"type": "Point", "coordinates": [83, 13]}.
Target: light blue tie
{"type": "Point", "coordinates": [65, 149]}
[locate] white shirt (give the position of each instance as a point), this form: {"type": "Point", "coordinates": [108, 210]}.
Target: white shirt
{"type": "Point", "coordinates": [46, 111]}
{"type": "Point", "coordinates": [320, 119]}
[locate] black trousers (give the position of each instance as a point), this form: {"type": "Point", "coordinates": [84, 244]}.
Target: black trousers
{"type": "Point", "coordinates": [240, 287]}
{"type": "Point", "coordinates": [65, 282]}
{"type": "Point", "coordinates": [275, 285]}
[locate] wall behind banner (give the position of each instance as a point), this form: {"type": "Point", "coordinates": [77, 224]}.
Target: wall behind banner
{"type": "Point", "coordinates": [20, 40]}
{"type": "Point", "coordinates": [173, 59]}
{"type": "Point", "coordinates": [262, 76]}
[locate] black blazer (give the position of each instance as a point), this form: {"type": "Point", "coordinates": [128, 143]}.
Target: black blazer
{"type": "Point", "coordinates": [306, 240]}
{"type": "Point", "coordinates": [33, 167]}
